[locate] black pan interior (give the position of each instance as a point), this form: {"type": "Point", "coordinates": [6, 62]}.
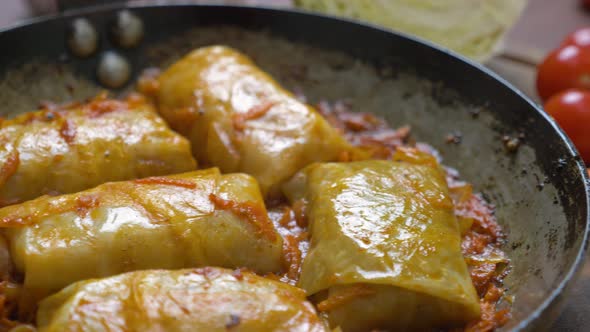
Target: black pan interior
{"type": "Point", "coordinates": [539, 190]}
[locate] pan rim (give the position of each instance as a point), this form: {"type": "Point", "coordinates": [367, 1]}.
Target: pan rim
{"type": "Point", "coordinates": [569, 277]}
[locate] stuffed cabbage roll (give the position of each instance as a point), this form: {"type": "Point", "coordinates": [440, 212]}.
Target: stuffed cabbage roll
{"type": "Point", "coordinates": [68, 149]}
{"type": "Point", "coordinates": [204, 299]}
{"type": "Point", "coordinates": [194, 219]}
{"type": "Point", "coordinates": [240, 120]}
{"type": "Point", "coordinates": [385, 245]}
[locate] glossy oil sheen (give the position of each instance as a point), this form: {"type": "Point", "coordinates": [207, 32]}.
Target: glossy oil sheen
{"type": "Point", "coordinates": [208, 299]}
{"type": "Point", "coordinates": [202, 94]}
{"type": "Point", "coordinates": [132, 225]}
{"type": "Point", "coordinates": [72, 150]}
{"type": "Point", "coordinates": [539, 191]}
{"type": "Point", "coordinates": [390, 224]}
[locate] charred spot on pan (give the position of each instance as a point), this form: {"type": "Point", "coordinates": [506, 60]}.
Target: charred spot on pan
{"type": "Point", "coordinates": [340, 64]}
{"type": "Point", "coordinates": [444, 96]}
{"type": "Point", "coordinates": [59, 69]}
{"type": "Point", "coordinates": [552, 240]}
{"type": "Point", "coordinates": [385, 72]}
{"type": "Point", "coordinates": [388, 67]}
{"type": "Point", "coordinates": [475, 112]}
{"type": "Point", "coordinates": [406, 95]}
{"type": "Point", "coordinates": [70, 88]}
{"type": "Point", "coordinates": [541, 182]}
{"type": "Point", "coordinates": [560, 164]}
{"type": "Point", "coordinates": [454, 138]}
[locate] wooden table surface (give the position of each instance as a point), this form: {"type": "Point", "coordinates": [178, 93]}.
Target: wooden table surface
{"type": "Point", "coordinates": [541, 28]}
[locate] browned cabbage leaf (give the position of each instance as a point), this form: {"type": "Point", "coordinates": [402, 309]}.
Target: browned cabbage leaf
{"type": "Point", "coordinates": [240, 120]}
{"type": "Point", "coordinates": [385, 245]}
{"type": "Point", "coordinates": [69, 149]}
{"type": "Point", "coordinates": [194, 219]}
{"type": "Point", "coordinates": [206, 299]}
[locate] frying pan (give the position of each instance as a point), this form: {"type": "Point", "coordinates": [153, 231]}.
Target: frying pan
{"type": "Point", "coordinates": [539, 189]}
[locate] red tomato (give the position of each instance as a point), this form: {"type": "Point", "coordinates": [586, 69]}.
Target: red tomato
{"type": "Point", "coordinates": [571, 109]}
{"type": "Point", "coordinates": [564, 68]}
{"type": "Point", "coordinates": [580, 37]}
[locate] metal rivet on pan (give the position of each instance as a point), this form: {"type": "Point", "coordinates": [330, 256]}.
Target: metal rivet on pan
{"type": "Point", "coordinates": [127, 29]}
{"type": "Point", "coordinates": [113, 70]}
{"type": "Point", "coordinates": [82, 38]}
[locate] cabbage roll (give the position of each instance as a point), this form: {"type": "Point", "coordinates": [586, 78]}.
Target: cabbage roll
{"type": "Point", "coordinates": [67, 149]}
{"type": "Point", "coordinates": [385, 245]}
{"type": "Point", "coordinates": [240, 120]}
{"type": "Point", "coordinates": [200, 218]}
{"type": "Point", "coordinates": [204, 299]}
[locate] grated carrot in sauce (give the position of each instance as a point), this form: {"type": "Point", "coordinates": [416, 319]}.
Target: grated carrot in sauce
{"type": "Point", "coordinates": [362, 130]}
{"type": "Point", "coordinates": [291, 224]}
{"type": "Point", "coordinates": [167, 181]}
{"type": "Point", "coordinates": [299, 213]}
{"type": "Point", "coordinates": [102, 105]}
{"type": "Point", "coordinates": [254, 213]}
{"type": "Point", "coordinates": [484, 237]}
{"type": "Point", "coordinates": [239, 119]}
{"type": "Point", "coordinates": [292, 256]}
{"type": "Point", "coordinates": [344, 296]}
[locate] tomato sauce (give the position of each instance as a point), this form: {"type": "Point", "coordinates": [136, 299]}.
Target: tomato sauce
{"type": "Point", "coordinates": [102, 105]}
{"type": "Point", "coordinates": [484, 237]}
{"type": "Point", "coordinates": [291, 223]}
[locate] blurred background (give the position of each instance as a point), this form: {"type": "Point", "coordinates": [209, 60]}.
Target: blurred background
{"type": "Point", "coordinates": [539, 29]}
